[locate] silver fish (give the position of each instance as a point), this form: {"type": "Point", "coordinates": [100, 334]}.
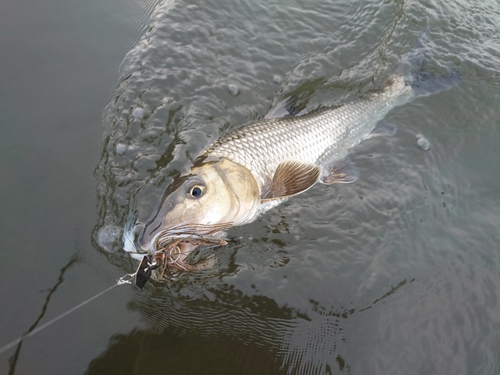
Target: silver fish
{"type": "Point", "coordinates": [258, 166]}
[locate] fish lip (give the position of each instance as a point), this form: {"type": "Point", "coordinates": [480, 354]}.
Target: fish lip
{"type": "Point", "coordinates": [188, 233]}
{"type": "Point", "coordinates": [153, 249]}
{"type": "Point", "coordinates": [193, 229]}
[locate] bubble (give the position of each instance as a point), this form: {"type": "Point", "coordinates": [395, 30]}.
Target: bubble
{"type": "Point", "coordinates": [121, 148]}
{"type": "Point", "coordinates": [233, 89]}
{"type": "Point", "coordinates": [138, 113]}
{"type": "Point", "coordinates": [277, 79]}
{"type": "Point", "coordinates": [423, 143]}
{"type": "Point", "coordinates": [109, 238]}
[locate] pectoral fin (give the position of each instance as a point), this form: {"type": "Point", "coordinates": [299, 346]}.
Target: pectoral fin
{"type": "Point", "coordinates": [340, 171]}
{"type": "Point", "coordinates": [291, 178]}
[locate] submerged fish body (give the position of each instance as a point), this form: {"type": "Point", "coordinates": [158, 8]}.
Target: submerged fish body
{"type": "Point", "coordinates": [258, 166]}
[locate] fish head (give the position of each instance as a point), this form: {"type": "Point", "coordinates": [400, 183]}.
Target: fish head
{"type": "Point", "coordinates": [212, 193]}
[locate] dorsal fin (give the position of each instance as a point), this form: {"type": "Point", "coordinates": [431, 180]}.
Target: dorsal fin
{"type": "Point", "coordinates": [291, 178]}
{"type": "Point", "coordinates": [285, 107]}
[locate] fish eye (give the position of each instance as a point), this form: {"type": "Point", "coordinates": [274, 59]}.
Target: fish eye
{"type": "Point", "coordinates": [195, 188]}
{"type": "Point", "coordinates": [196, 191]}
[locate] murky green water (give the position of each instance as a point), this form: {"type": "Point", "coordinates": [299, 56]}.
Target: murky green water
{"type": "Point", "coordinates": [397, 273]}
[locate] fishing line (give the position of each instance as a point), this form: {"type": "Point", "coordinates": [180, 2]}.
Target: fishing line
{"type": "Point", "coordinates": [127, 279]}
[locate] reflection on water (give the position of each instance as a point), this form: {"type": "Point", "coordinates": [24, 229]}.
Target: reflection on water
{"type": "Point", "coordinates": [198, 355]}
{"type": "Point", "coordinates": [199, 336]}
{"type": "Point", "coordinates": [227, 332]}
{"type": "Point", "coordinates": [396, 273]}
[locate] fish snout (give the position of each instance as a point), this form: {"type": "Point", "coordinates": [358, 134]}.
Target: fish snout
{"type": "Point", "coordinates": [147, 236]}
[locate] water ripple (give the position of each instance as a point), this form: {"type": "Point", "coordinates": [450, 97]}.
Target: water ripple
{"type": "Point", "coordinates": [395, 273]}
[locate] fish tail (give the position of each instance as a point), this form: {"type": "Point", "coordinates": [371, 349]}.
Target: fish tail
{"type": "Point", "coordinates": [412, 69]}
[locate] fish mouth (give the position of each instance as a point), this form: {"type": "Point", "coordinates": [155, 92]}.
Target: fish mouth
{"type": "Point", "coordinates": [170, 247]}
{"type": "Point", "coordinates": [187, 234]}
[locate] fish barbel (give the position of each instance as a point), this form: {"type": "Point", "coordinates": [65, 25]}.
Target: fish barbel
{"type": "Point", "coordinates": [258, 166]}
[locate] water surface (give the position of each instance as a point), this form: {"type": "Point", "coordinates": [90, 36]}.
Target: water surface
{"type": "Point", "coordinates": [394, 274]}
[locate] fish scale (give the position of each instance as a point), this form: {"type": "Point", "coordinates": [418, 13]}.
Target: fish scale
{"type": "Point", "coordinates": [313, 138]}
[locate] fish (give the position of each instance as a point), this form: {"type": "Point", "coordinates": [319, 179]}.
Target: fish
{"type": "Point", "coordinates": [165, 258]}
{"type": "Point", "coordinates": [260, 165]}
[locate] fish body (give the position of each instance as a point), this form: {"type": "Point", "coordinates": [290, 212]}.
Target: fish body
{"type": "Point", "coordinates": [258, 166]}
{"type": "Point", "coordinates": [314, 139]}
